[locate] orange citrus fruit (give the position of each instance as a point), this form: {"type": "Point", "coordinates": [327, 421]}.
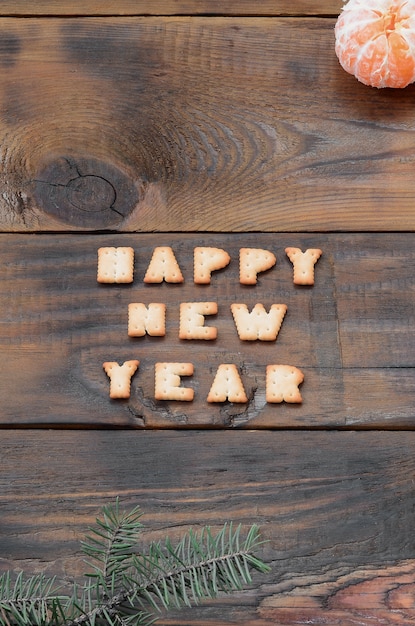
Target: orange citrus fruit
{"type": "Point", "coordinates": [375, 41]}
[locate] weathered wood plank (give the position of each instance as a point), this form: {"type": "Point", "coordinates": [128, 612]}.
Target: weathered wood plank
{"type": "Point", "coordinates": [352, 333]}
{"type": "Point", "coordinates": [335, 508]}
{"type": "Point", "coordinates": [170, 7]}
{"type": "Point", "coordinates": [196, 124]}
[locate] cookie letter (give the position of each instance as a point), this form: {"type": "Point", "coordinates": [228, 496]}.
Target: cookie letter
{"type": "Point", "coordinates": [227, 385]}
{"type": "Point", "coordinates": [167, 381]}
{"type": "Point", "coordinates": [150, 320]}
{"type": "Point", "coordinates": [192, 320]}
{"type": "Point", "coordinates": [252, 261]}
{"type": "Point", "coordinates": [120, 377]}
{"type": "Point", "coordinates": [163, 266]}
{"type": "Point", "coordinates": [258, 324]}
{"type": "Point", "coordinates": [303, 263]}
{"type": "Point", "coordinates": [115, 265]}
{"type": "Point", "coordinates": [282, 383]}
{"type": "Point", "coordinates": [205, 261]}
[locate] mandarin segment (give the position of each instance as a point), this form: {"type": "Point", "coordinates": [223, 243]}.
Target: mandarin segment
{"type": "Point", "coordinates": [375, 41]}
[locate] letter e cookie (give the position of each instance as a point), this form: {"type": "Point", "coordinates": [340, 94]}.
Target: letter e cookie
{"type": "Point", "coordinates": [167, 381]}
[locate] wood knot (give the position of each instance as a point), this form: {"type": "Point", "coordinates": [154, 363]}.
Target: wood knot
{"type": "Point", "coordinates": [85, 193]}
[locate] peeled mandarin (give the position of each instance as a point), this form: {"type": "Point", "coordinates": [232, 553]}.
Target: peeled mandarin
{"type": "Point", "coordinates": [375, 41]}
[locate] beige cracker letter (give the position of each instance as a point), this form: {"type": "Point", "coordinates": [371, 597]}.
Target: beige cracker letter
{"type": "Point", "coordinates": [205, 261]}
{"type": "Point", "coordinates": [163, 266]}
{"type": "Point", "coordinates": [192, 320]}
{"type": "Point", "coordinates": [258, 324]}
{"type": "Point", "coordinates": [303, 263]}
{"type": "Point", "coordinates": [115, 265]}
{"type": "Point", "coordinates": [167, 381]}
{"type": "Point", "coordinates": [227, 385]}
{"type": "Point", "coordinates": [252, 261]}
{"type": "Point", "coordinates": [282, 383]}
{"type": "Point", "coordinates": [120, 377]}
{"type": "Point", "coordinates": [142, 320]}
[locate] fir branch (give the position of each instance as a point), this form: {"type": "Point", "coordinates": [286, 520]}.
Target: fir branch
{"type": "Point", "coordinates": [126, 588]}
{"type": "Point", "coordinates": [31, 600]}
{"type": "Point", "coordinates": [201, 566]}
{"type": "Point", "coordinates": [112, 542]}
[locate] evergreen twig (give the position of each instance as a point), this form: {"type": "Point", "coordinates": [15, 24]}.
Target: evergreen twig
{"type": "Point", "coordinates": [127, 588]}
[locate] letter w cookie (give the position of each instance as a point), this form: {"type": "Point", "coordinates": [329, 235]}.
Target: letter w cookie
{"type": "Point", "coordinates": [258, 323]}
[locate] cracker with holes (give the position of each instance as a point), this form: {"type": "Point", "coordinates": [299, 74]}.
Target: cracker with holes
{"type": "Point", "coordinates": [120, 377]}
{"type": "Point", "coordinates": [258, 323]}
{"type": "Point", "coordinates": [303, 263]}
{"type": "Point", "coordinates": [253, 261]}
{"type": "Point", "coordinates": [192, 320]}
{"type": "Point", "coordinates": [144, 320]}
{"type": "Point", "coordinates": [206, 261]}
{"type": "Point", "coordinates": [115, 265]}
{"type": "Point", "coordinates": [282, 383]}
{"type": "Point", "coordinates": [168, 381]}
{"type": "Point", "coordinates": [163, 266]}
{"type": "Point", "coordinates": [227, 385]}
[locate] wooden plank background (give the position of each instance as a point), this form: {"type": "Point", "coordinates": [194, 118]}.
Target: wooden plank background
{"type": "Point", "coordinates": [205, 124]}
{"type": "Point", "coordinates": [336, 509]}
{"type": "Point", "coordinates": [196, 122]}
{"type": "Point", "coordinates": [59, 326]}
{"type": "Point", "coordinates": [169, 7]}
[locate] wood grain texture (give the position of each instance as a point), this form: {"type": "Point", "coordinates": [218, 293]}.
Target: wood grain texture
{"type": "Point", "coordinates": [352, 333]}
{"type": "Point", "coordinates": [196, 124]}
{"type": "Point", "coordinates": [169, 7]}
{"type": "Point", "coordinates": [335, 508]}
{"type": "Point", "coordinates": [223, 123]}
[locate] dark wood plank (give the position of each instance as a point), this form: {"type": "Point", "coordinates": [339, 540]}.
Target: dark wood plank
{"type": "Point", "coordinates": [196, 124]}
{"type": "Point", "coordinates": [352, 333]}
{"type": "Point", "coordinates": [170, 7]}
{"type": "Point", "coordinates": [335, 508]}
{"type": "Point", "coordinates": [380, 292]}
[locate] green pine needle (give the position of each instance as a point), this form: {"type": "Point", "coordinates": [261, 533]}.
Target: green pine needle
{"type": "Point", "coordinates": [126, 588]}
